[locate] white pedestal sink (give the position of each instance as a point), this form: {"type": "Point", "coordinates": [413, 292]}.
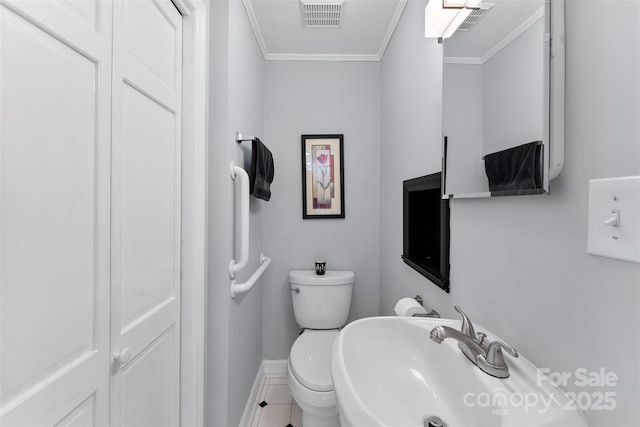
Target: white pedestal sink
{"type": "Point", "coordinates": [387, 372]}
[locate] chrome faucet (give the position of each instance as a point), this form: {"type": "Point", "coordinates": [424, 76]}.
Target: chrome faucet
{"type": "Point", "coordinates": [486, 356]}
{"type": "Point", "coordinates": [467, 326]}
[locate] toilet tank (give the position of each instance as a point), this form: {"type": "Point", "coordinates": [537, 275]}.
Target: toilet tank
{"type": "Point", "coordinates": [321, 302]}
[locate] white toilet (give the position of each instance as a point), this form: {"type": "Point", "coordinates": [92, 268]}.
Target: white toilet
{"type": "Point", "coordinates": [321, 306]}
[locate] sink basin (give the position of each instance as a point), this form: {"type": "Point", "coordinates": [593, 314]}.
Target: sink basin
{"type": "Point", "coordinates": [387, 372]}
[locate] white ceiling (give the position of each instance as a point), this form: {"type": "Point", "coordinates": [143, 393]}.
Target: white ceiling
{"type": "Point", "coordinates": [366, 30]}
{"type": "Point", "coordinates": [504, 21]}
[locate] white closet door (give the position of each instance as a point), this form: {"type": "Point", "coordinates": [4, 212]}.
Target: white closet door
{"type": "Point", "coordinates": [55, 101]}
{"type": "Point", "coordinates": [146, 213]}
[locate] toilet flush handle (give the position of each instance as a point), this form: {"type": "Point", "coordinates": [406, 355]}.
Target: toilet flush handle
{"type": "Point", "coordinates": [296, 290]}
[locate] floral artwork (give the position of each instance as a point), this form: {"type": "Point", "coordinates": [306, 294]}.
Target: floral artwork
{"type": "Point", "coordinates": [323, 187]}
{"type": "Point", "coordinates": [322, 176]}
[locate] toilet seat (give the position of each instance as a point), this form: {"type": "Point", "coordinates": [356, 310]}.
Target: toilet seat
{"type": "Point", "coordinates": [310, 359]}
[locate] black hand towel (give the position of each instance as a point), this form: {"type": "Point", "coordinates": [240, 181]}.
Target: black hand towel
{"type": "Point", "coordinates": [261, 172]}
{"type": "Point", "coordinates": [517, 168]}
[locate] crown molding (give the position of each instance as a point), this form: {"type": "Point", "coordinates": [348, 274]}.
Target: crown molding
{"type": "Point", "coordinates": [463, 60]}
{"type": "Point", "coordinates": [320, 57]}
{"type": "Point", "coordinates": [392, 28]}
{"type": "Point", "coordinates": [248, 7]}
{"type": "Point", "coordinates": [514, 34]}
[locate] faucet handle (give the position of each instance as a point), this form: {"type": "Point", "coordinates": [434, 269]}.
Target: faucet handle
{"type": "Point", "coordinates": [494, 353]}
{"type": "Point", "coordinates": [467, 326]}
{"type": "Point", "coordinates": [481, 337]}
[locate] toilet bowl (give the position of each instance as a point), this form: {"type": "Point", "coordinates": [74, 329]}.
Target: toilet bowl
{"type": "Point", "coordinates": [309, 378]}
{"type": "Point", "coordinates": [321, 306]}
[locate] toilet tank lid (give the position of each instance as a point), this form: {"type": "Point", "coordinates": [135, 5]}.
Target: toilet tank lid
{"type": "Point", "coordinates": [309, 277]}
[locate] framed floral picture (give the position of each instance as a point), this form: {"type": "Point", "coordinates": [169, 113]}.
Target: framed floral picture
{"type": "Point", "coordinates": [322, 176]}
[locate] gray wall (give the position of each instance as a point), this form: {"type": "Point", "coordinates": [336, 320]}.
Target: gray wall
{"type": "Point", "coordinates": [519, 264]}
{"type": "Point", "coordinates": [410, 143]}
{"type": "Point", "coordinates": [313, 97]}
{"type": "Point", "coordinates": [513, 92]}
{"type": "Point", "coordinates": [234, 330]}
{"type": "Point", "coordinates": [462, 124]}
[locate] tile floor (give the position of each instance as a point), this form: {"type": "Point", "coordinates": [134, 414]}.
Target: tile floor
{"type": "Point", "coordinates": [275, 406]}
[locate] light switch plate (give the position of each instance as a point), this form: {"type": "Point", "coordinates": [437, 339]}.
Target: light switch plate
{"type": "Point", "coordinates": [615, 201]}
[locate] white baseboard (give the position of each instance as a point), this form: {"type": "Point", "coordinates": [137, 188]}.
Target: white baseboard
{"type": "Point", "coordinates": [267, 369]}
{"type": "Point", "coordinates": [250, 407]}
{"type": "Point", "coordinates": [275, 368]}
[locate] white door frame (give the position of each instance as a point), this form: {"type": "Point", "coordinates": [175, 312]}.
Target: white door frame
{"type": "Point", "coordinates": [195, 27]}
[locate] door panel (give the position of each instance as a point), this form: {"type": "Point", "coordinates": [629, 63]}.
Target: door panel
{"type": "Point", "coordinates": [146, 201]}
{"type": "Point", "coordinates": [152, 51]}
{"type": "Point", "coordinates": [84, 415]}
{"type": "Point", "coordinates": [146, 213]}
{"type": "Point", "coordinates": [155, 48]}
{"type": "Point", "coordinates": [39, 173]}
{"type": "Point", "coordinates": [148, 398]}
{"type": "Point", "coordinates": [85, 12]}
{"type": "Point", "coordinates": [86, 24]}
{"type": "Point", "coordinates": [54, 208]}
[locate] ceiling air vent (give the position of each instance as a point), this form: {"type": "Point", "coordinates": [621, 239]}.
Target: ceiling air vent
{"type": "Point", "coordinates": [474, 17]}
{"type": "Point", "coordinates": [321, 13]}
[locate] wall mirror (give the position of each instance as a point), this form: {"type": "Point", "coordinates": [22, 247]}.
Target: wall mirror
{"type": "Point", "coordinates": [503, 100]}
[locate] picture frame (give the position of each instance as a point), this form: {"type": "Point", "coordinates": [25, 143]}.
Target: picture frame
{"type": "Point", "coordinates": [323, 176]}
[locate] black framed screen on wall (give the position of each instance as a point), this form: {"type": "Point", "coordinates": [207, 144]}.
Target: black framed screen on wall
{"type": "Point", "coordinates": [426, 228]}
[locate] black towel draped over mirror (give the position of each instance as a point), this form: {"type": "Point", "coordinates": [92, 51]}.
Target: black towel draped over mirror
{"type": "Point", "coordinates": [516, 168]}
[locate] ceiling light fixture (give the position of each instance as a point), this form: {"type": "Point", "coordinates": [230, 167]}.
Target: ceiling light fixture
{"type": "Point", "coordinates": [443, 17]}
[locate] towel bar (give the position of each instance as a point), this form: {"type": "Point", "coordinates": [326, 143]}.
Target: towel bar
{"type": "Point", "coordinates": [244, 137]}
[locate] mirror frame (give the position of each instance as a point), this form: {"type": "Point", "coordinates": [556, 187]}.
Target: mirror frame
{"type": "Point", "coordinates": [554, 114]}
